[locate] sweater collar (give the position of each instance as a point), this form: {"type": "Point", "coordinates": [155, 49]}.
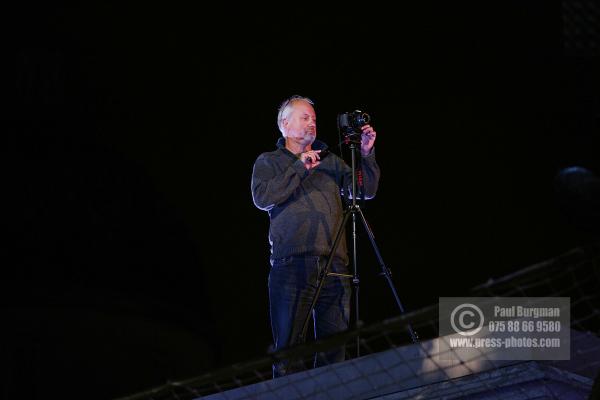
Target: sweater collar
{"type": "Point", "coordinates": [317, 144]}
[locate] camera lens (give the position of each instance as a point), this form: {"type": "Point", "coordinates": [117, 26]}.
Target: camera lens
{"type": "Point", "coordinates": [353, 121]}
{"type": "Point", "coordinates": [361, 119]}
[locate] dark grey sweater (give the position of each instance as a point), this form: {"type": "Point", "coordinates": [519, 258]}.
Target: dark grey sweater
{"type": "Point", "coordinates": [305, 207]}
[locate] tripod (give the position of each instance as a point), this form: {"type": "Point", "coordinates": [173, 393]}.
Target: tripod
{"type": "Point", "coordinates": [353, 210]}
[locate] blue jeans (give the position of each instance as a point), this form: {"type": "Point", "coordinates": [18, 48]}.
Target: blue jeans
{"type": "Point", "coordinates": [292, 284]}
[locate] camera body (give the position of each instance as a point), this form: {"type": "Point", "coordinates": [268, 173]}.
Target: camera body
{"type": "Point", "coordinates": [351, 122]}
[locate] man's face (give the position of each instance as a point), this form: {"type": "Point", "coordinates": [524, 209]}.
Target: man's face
{"type": "Point", "coordinates": [301, 124]}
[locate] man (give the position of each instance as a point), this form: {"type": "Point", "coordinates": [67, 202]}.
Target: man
{"type": "Point", "coordinates": [301, 192]}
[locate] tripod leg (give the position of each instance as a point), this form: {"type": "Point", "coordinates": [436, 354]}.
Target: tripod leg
{"type": "Point", "coordinates": [386, 271]}
{"type": "Point", "coordinates": [355, 282]}
{"type": "Point", "coordinates": [322, 276]}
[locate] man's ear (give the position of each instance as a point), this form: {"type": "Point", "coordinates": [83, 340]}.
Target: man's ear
{"type": "Point", "coordinates": [284, 124]}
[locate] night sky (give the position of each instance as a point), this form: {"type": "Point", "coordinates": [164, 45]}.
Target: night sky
{"type": "Point", "coordinates": [135, 254]}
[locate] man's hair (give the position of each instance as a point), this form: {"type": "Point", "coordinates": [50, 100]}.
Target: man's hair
{"type": "Point", "coordinates": [286, 107]}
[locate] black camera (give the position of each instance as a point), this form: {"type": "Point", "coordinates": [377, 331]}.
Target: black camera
{"type": "Point", "coordinates": [351, 122]}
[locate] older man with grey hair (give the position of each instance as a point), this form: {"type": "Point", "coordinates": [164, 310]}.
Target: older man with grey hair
{"type": "Point", "coordinates": [301, 190]}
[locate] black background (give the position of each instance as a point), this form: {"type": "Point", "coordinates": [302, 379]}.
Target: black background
{"type": "Point", "coordinates": [134, 253]}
